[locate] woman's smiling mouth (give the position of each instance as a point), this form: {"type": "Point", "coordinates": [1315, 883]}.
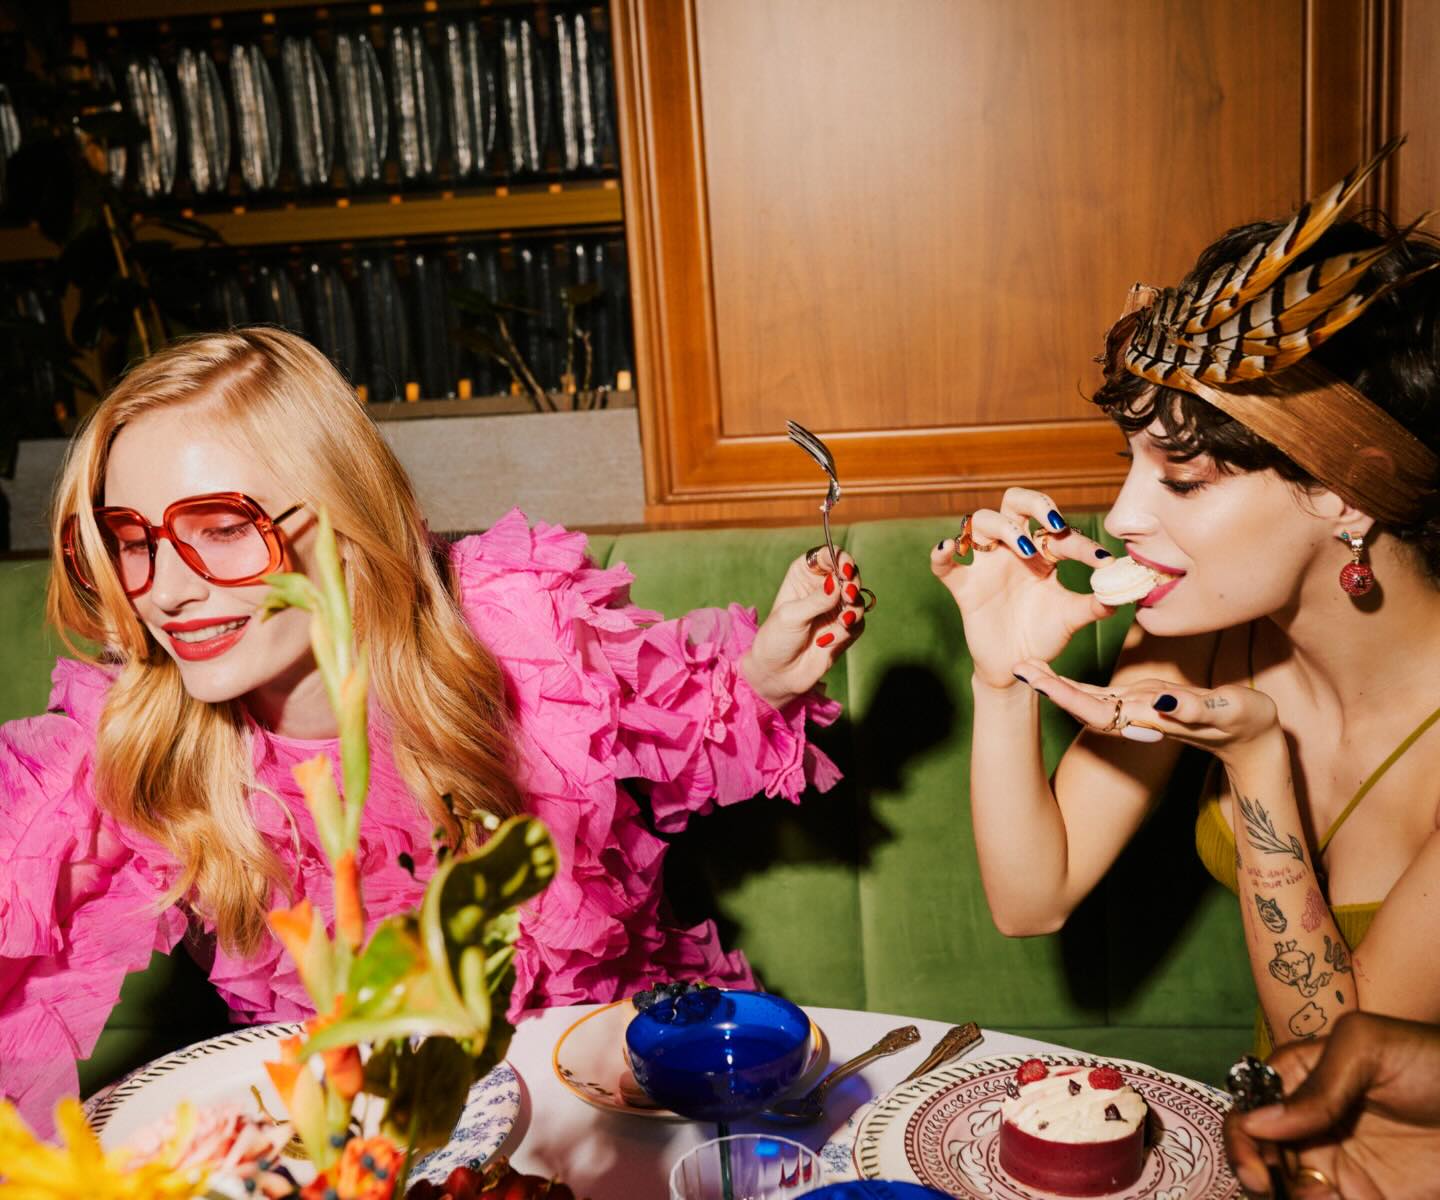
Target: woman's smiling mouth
{"type": "Point", "coordinates": [205, 638]}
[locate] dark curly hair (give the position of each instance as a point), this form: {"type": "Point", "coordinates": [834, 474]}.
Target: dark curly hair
{"type": "Point", "coordinates": [1391, 354]}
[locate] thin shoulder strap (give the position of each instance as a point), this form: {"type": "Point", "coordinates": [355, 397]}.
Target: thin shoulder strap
{"type": "Point", "coordinates": [1375, 776]}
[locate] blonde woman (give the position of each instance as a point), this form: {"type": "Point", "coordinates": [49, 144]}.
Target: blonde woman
{"type": "Point", "coordinates": [508, 673]}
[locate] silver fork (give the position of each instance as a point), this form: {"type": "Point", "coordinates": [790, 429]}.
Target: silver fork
{"type": "Point", "coordinates": [820, 452]}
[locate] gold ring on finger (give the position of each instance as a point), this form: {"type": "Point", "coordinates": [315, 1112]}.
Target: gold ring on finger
{"type": "Point", "coordinates": [812, 560]}
{"type": "Point", "coordinates": [1117, 718]}
{"type": "Point", "coordinates": [963, 540]}
{"type": "Point", "coordinates": [1314, 1175]}
{"type": "Point", "coordinates": [869, 599]}
{"type": "Point", "coordinates": [1041, 538]}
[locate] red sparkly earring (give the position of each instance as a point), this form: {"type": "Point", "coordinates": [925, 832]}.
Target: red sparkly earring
{"type": "Point", "coordinates": [1356, 577]}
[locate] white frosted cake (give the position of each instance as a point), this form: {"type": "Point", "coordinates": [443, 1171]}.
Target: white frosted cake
{"type": "Point", "coordinates": [1077, 1131]}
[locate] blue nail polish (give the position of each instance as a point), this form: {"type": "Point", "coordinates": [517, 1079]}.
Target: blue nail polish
{"type": "Point", "coordinates": [1102, 554]}
{"type": "Point", "coordinates": [1027, 547]}
{"type": "Point", "coordinates": [1057, 522]}
{"type": "Point", "coordinates": [1166, 703]}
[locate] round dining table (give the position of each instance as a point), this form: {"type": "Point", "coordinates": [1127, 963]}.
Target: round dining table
{"type": "Point", "coordinates": [610, 1155]}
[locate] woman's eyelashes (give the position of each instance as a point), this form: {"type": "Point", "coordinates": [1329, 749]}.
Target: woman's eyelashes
{"type": "Point", "coordinates": [1184, 487]}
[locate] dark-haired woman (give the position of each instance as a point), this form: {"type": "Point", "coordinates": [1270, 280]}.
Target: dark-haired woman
{"type": "Point", "coordinates": [1282, 418]}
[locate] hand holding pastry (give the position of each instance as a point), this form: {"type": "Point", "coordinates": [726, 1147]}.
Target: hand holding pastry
{"type": "Point", "coordinates": [1013, 605]}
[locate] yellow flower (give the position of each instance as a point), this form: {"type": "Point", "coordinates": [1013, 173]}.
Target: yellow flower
{"type": "Point", "coordinates": [77, 1168]}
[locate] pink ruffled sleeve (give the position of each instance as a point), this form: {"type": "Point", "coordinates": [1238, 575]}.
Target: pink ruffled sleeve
{"type": "Point", "coordinates": [77, 898]}
{"type": "Point", "coordinates": [605, 691]}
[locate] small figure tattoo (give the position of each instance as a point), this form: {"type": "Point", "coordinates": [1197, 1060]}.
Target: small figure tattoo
{"type": "Point", "coordinates": [1309, 1021]}
{"type": "Point", "coordinates": [1260, 831]}
{"type": "Point", "coordinates": [1270, 913]}
{"type": "Point", "coordinates": [1216, 702]}
{"type": "Point", "coordinates": [1314, 911]}
{"type": "Point", "coordinates": [1337, 954]}
{"type": "Point", "coordinates": [1295, 967]}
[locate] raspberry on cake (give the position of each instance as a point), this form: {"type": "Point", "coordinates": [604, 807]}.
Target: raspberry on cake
{"type": "Point", "coordinates": [1076, 1131]}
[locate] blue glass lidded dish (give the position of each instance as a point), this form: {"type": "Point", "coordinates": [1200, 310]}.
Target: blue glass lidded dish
{"type": "Point", "coordinates": [714, 1054]}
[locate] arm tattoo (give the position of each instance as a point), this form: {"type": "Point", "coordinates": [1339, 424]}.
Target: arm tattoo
{"type": "Point", "coordinates": [1296, 968]}
{"type": "Point", "coordinates": [1337, 955]}
{"type": "Point", "coordinates": [1270, 913]}
{"type": "Point", "coordinates": [1308, 1021]}
{"type": "Point", "coordinates": [1260, 830]}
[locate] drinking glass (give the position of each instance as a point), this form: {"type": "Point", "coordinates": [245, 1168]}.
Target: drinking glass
{"type": "Point", "coordinates": [746, 1166]}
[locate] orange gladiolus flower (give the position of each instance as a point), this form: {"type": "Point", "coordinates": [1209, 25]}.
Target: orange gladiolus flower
{"type": "Point", "coordinates": [284, 1073]}
{"type": "Point", "coordinates": [343, 1069]}
{"type": "Point", "coordinates": [292, 926]}
{"type": "Point", "coordinates": [349, 910]}
{"type": "Point", "coordinates": [366, 1171]}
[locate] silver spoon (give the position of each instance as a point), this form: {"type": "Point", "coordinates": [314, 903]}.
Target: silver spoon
{"type": "Point", "coordinates": [811, 1107]}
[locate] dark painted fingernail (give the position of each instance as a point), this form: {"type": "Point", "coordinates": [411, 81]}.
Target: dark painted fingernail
{"type": "Point", "coordinates": [848, 569]}
{"type": "Point", "coordinates": [1103, 554]}
{"type": "Point", "coordinates": [848, 617]}
{"type": "Point", "coordinates": [829, 585]}
{"type": "Point", "coordinates": [939, 545]}
{"type": "Point", "coordinates": [1026, 546]}
{"type": "Point", "coordinates": [1166, 703]}
{"type": "Point", "coordinates": [1057, 522]}
{"type": "Point", "coordinates": [852, 592]}
{"type": "Point", "coordinates": [825, 639]}
{"type": "Point", "coordinates": [1020, 677]}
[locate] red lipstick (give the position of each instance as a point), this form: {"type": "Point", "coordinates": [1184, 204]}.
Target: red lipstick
{"type": "Point", "coordinates": [205, 647]}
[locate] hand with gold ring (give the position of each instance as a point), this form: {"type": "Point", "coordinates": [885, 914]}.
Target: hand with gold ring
{"type": "Point", "coordinates": [1363, 1108]}
{"type": "Point", "coordinates": [1228, 721]}
{"type": "Point", "coordinates": [819, 610]}
{"type": "Point", "coordinates": [1012, 605]}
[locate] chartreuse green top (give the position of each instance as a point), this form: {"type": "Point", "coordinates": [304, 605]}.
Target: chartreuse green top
{"type": "Point", "coordinates": [1215, 843]}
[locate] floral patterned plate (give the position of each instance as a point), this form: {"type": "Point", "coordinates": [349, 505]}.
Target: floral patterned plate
{"type": "Point", "coordinates": [943, 1130]}
{"type": "Point", "coordinates": [589, 1059]}
{"type": "Point", "coordinates": [229, 1069]}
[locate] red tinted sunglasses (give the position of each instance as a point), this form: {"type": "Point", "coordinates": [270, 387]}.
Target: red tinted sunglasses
{"type": "Point", "coordinates": [224, 537]}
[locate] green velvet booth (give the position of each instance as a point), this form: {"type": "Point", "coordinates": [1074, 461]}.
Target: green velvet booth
{"type": "Point", "coordinates": [869, 896]}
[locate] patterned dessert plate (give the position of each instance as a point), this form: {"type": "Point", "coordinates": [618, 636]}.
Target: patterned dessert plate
{"type": "Point", "coordinates": [943, 1130]}
{"type": "Point", "coordinates": [589, 1059]}
{"type": "Point", "coordinates": [229, 1070]}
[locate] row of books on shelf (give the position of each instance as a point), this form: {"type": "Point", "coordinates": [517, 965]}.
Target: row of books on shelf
{"type": "Point", "coordinates": [325, 102]}
{"type": "Point", "coordinates": [403, 321]}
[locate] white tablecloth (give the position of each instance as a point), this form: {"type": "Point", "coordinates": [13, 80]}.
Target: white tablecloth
{"type": "Point", "coordinates": [612, 1156]}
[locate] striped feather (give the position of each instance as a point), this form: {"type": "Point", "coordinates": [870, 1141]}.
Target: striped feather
{"type": "Point", "coordinates": [1258, 270]}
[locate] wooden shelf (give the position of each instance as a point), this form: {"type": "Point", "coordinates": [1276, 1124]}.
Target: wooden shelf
{"type": "Point", "coordinates": [528, 206]}
{"type": "Point", "coordinates": [481, 406]}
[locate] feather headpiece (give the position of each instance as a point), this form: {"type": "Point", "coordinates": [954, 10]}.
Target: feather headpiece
{"type": "Point", "coordinates": [1225, 340]}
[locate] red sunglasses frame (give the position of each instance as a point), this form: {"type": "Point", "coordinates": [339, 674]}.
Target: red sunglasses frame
{"type": "Point", "coordinates": [267, 526]}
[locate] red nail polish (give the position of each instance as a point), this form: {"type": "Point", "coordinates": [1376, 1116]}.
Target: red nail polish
{"type": "Point", "coordinates": [829, 585]}
{"type": "Point", "coordinates": [825, 639]}
{"type": "Point", "coordinates": [849, 569]}
{"type": "Point", "coordinates": [852, 592]}
{"type": "Point", "coordinates": [848, 618]}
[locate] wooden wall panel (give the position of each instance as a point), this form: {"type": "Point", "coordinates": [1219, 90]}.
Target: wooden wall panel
{"type": "Point", "coordinates": [1417, 108]}
{"type": "Point", "coordinates": [907, 225]}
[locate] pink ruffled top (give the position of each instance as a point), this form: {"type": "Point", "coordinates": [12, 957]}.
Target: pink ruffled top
{"type": "Point", "coordinates": [602, 691]}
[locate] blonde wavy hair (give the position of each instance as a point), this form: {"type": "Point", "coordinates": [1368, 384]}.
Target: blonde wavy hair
{"type": "Point", "coordinates": [178, 769]}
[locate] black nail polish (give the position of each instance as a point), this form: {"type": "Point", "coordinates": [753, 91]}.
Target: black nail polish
{"type": "Point", "coordinates": [1102, 554]}
{"type": "Point", "coordinates": [940, 546]}
{"type": "Point", "coordinates": [1020, 677]}
{"type": "Point", "coordinates": [1026, 546]}
{"type": "Point", "coordinates": [1057, 522]}
{"type": "Point", "coordinates": [1166, 703]}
